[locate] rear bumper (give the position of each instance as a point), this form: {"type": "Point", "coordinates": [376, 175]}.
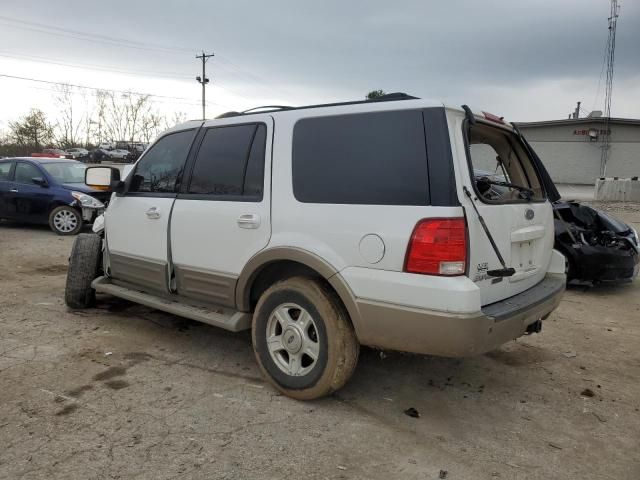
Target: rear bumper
{"type": "Point", "coordinates": [416, 330]}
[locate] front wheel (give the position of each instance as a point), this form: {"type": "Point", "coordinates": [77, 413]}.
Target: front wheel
{"type": "Point", "coordinates": [65, 220]}
{"type": "Point", "coordinates": [303, 340]}
{"type": "Point", "coordinates": [84, 267]}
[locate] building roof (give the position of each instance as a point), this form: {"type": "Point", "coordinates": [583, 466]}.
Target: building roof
{"type": "Point", "coordinates": [579, 121]}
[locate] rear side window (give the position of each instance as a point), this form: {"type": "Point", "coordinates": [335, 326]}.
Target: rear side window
{"type": "Point", "coordinates": [5, 169]}
{"type": "Point", "coordinates": [230, 162]}
{"type": "Point", "coordinates": [370, 158]}
{"type": "Point", "coordinates": [161, 168]}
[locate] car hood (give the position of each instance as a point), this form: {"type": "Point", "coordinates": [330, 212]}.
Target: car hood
{"type": "Point", "coordinates": [80, 187]}
{"type": "Point", "coordinates": [592, 217]}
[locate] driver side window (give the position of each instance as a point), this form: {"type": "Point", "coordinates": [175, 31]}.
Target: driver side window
{"type": "Point", "coordinates": [160, 170]}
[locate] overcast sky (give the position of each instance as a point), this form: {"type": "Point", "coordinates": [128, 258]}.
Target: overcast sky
{"type": "Point", "coordinates": [526, 60]}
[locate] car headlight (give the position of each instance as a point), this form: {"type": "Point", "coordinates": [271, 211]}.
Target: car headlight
{"type": "Point", "coordinates": [635, 237]}
{"type": "Point", "coordinates": [87, 200]}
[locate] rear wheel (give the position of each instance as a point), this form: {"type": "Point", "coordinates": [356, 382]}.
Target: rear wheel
{"type": "Point", "coordinates": [303, 340]}
{"type": "Point", "coordinates": [65, 220]}
{"type": "Point", "coordinates": [84, 267]}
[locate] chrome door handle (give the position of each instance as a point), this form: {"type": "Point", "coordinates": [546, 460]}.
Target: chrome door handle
{"type": "Point", "coordinates": [153, 213]}
{"type": "Point", "coordinates": [249, 221]}
{"type": "Point", "coordinates": [14, 190]}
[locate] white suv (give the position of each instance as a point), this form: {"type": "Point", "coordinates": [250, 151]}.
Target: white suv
{"type": "Point", "coordinates": [328, 227]}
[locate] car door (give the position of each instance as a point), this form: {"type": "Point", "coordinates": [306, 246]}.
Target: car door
{"type": "Point", "coordinates": [6, 184]}
{"type": "Point", "coordinates": [27, 201]}
{"type": "Point", "coordinates": [221, 217]}
{"type": "Point", "coordinates": [137, 221]}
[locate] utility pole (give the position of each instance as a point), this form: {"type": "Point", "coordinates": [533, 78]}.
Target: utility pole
{"type": "Point", "coordinates": [203, 80]}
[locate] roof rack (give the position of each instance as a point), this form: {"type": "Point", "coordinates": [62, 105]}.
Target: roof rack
{"type": "Point", "coordinates": [389, 97]}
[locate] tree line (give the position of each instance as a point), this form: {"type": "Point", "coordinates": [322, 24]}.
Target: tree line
{"type": "Point", "coordinates": [107, 117]}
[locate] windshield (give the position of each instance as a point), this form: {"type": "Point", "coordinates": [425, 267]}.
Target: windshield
{"type": "Point", "coordinates": [502, 169]}
{"type": "Point", "coordinates": [67, 172]}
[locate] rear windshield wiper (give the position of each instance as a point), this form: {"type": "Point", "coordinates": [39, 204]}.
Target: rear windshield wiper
{"type": "Point", "coordinates": [529, 193]}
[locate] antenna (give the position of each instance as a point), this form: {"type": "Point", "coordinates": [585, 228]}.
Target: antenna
{"type": "Point", "coordinates": [610, 56]}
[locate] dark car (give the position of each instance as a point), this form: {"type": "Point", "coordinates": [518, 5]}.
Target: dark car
{"type": "Point", "coordinates": [48, 191]}
{"type": "Point", "coordinates": [598, 246]}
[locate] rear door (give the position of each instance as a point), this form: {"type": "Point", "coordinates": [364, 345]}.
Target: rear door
{"type": "Point", "coordinates": [137, 221]}
{"type": "Point", "coordinates": [519, 219]}
{"type": "Point", "coordinates": [222, 215]}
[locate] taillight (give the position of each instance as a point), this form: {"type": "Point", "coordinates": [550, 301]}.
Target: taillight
{"type": "Point", "coordinates": [438, 246]}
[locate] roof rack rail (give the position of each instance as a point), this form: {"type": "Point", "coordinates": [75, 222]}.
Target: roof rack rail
{"type": "Point", "coordinates": [389, 97]}
{"type": "Point", "coordinates": [269, 108]}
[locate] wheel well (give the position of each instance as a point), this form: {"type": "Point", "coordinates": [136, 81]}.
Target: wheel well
{"type": "Point", "coordinates": [57, 203]}
{"type": "Point", "coordinates": [276, 271]}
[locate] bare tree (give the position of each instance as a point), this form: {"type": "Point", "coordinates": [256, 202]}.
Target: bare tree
{"type": "Point", "coordinates": [70, 121]}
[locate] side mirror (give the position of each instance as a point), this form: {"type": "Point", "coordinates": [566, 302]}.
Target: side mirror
{"type": "Point", "coordinates": [40, 181]}
{"type": "Point", "coordinates": [101, 178]}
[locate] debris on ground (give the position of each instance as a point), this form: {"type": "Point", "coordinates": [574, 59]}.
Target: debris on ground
{"type": "Point", "coordinates": [587, 392]}
{"type": "Point", "coordinates": [570, 354]}
{"type": "Point", "coordinates": [412, 412]}
{"type": "Point", "coordinates": [443, 474]}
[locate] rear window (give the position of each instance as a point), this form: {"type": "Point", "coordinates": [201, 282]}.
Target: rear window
{"type": "Point", "coordinates": [501, 166]}
{"type": "Point", "coordinates": [370, 158]}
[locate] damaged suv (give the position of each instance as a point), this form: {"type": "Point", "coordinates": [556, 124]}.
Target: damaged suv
{"type": "Point", "coordinates": [327, 227]}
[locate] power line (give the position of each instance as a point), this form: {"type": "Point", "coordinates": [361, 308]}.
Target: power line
{"type": "Point", "coordinates": [105, 68]}
{"type": "Point", "coordinates": [65, 32]}
{"type": "Point", "coordinates": [95, 89]}
{"type": "Point", "coordinates": [128, 43]}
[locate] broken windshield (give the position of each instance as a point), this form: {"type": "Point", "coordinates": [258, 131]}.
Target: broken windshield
{"type": "Point", "coordinates": [501, 167]}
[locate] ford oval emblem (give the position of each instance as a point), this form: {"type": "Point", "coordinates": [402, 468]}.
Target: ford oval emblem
{"type": "Point", "coordinates": [529, 214]}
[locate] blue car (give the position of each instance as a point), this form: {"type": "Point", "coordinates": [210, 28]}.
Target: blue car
{"type": "Point", "coordinates": [48, 191]}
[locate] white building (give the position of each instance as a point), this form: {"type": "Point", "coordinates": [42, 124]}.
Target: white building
{"type": "Point", "coordinates": [571, 149]}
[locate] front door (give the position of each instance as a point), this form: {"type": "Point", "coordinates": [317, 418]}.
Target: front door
{"type": "Point", "coordinates": [221, 217]}
{"type": "Point", "coordinates": [137, 221]}
{"type": "Point", "coordinates": [27, 201]}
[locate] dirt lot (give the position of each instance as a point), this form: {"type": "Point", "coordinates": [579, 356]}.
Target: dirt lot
{"type": "Point", "coordinates": [123, 391]}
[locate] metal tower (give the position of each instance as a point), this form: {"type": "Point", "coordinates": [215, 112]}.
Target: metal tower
{"type": "Point", "coordinates": [610, 57]}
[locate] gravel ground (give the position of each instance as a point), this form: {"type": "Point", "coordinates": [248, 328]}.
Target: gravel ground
{"type": "Point", "coordinates": [123, 391]}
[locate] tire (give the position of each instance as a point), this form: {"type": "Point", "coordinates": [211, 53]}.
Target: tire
{"type": "Point", "coordinates": [65, 220]}
{"type": "Point", "coordinates": [303, 318]}
{"type": "Point", "coordinates": [84, 267]}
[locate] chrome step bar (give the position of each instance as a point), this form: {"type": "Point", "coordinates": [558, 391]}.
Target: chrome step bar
{"type": "Point", "coordinates": [222, 317]}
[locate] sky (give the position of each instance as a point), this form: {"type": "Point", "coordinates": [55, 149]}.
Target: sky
{"type": "Point", "coordinates": [525, 60]}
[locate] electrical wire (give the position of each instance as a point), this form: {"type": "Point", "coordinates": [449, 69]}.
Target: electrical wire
{"type": "Point", "coordinates": [184, 100]}
{"type": "Point", "coordinates": [225, 63]}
